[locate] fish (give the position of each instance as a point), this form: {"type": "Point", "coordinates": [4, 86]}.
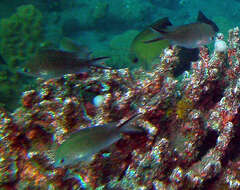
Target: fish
{"type": "Point", "coordinates": [84, 143]}
{"type": "Point", "coordinates": [54, 63]}
{"type": "Point", "coordinates": [145, 53]}
{"type": "Point", "coordinates": [193, 35]}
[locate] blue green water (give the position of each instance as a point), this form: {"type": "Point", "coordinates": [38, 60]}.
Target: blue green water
{"type": "Point", "coordinates": [107, 27]}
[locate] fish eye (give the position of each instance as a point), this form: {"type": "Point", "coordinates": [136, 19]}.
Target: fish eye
{"type": "Point", "coordinates": [211, 38]}
{"type": "Point", "coordinates": [25, 70]}
{"type": "Point", "coordinates": [135, 60]}
{"type": "Point", "coordinates": [62, 161]}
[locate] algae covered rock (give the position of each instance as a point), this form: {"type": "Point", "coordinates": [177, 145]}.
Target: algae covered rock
{"type": "Point", "coordinates": [21, 34]}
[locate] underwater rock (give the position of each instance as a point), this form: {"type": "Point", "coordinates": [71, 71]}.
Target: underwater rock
{"type": "Point", "coordinates": [21, 34]}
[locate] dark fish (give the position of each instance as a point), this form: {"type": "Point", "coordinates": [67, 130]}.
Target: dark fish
{"type": "Point", "coordinates": [51, 63]}
{"type": "Point", "coordinates": [84, 143]}
{"type": "Point", "coordinates": [192, 35]}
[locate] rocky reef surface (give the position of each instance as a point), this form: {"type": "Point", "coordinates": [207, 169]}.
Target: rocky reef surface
{"type": "Point", "coordinates": [191, 125]}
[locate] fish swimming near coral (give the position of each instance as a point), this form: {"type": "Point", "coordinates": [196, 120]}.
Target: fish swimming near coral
{"type": "Point", "coordinates": [191, 35]}
{"type": "Point", "coordinates": [81, 145]}
{"type": "Point", "coordinates": [145, 53]}
{"type": "Point", "coordinates": [52, 63]}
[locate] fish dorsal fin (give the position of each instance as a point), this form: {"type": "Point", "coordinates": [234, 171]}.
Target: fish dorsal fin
{"type": "Point", "coordinates": [203, 19]}
{"type": "Point", "coordinates": [161, 25]}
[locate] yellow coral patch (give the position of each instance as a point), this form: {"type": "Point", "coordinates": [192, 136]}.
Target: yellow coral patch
{"type": "Point", "coordinates": [184, 106]}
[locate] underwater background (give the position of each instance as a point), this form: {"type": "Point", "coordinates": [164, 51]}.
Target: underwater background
{"type": "Point", "coordinates": [168, 116]}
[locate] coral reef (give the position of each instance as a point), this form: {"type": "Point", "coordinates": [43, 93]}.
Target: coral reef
{"type": "Point", "coordinates": [191, 138]}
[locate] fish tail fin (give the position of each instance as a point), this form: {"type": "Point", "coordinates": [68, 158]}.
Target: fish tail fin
{"type": "Point", "coordinates": [126, 128]}
{"type": "Point", "coordinates": [97, 62]}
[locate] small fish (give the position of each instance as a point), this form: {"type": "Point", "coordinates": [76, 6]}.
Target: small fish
{"type": "Point", "coordinates": [51, 63]}
{"type": "Point", "coordinates": [192, 35]}
{"type": "Point", "coordinates": [81, 145]}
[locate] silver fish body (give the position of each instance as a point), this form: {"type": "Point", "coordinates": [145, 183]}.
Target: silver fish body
{"type": "Point", "coordinates": [193, 35]}
{"type": "Point", "coordinates": [84, 143]}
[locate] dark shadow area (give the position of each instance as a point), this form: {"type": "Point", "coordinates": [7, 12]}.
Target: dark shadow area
{"type": "Point", "coordinates": [186, 56]}
{"type": "Point", "coordinates": [208, 143]}
{"type": "Point", "coordinates": [209, 99]}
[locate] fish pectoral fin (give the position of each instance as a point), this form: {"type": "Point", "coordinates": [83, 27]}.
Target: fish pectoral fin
{"type": "Point", "coordinates": [153, 40]}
